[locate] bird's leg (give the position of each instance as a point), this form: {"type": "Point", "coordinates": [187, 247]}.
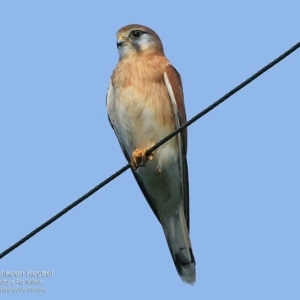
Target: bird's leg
{"type": "Point", "coordinates": [139, 158]}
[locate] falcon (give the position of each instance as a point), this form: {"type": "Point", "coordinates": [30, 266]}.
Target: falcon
{"type": "Point", "coordinates": [145, 103]}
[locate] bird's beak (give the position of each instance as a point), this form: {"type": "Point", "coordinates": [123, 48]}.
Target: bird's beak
{"type": "Point", "coordinates": [120, 41]}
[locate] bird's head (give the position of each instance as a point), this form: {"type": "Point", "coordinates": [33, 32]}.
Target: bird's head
{"type": "Point", "coordinates": [138, 39]}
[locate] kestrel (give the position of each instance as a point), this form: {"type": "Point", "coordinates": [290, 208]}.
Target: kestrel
{"type": "Point", "coordinates": [145, 103]}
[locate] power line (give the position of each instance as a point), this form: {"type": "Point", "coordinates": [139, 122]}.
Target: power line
{"type": "Point", "coordinates": [64, 211]}
{"type": "Point", "coordinates": [164, 140]}
{"type": "Point", "coordinates": [225, 97]}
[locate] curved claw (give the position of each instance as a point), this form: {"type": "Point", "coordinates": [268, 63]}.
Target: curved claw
{"type": "Point", "coordinates": [139, 158]}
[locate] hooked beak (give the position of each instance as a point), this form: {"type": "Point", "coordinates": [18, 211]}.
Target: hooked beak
{"type": "Point", "coordinates": [121, 40]}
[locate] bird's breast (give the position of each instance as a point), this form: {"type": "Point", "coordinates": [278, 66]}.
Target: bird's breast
{"type": "Point", "coordinates": [143, 114]}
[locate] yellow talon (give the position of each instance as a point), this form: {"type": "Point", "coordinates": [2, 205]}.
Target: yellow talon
{"type": "Point", "coordinates": [139, 158]}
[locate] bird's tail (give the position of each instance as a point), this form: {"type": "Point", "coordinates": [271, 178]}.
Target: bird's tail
{"type": "Point", "coordinates": [177, 235]}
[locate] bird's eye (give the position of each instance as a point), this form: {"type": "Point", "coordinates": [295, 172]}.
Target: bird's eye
{"type": "Point", "coordinates": [136, 34]}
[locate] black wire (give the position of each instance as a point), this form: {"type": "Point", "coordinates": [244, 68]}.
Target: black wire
{"type": "Point", "coordinates": [225, 97]}
{"type": "Point", "coordinates": [122, 170]}
{"type": "Point", "coordinates": [64, 211]}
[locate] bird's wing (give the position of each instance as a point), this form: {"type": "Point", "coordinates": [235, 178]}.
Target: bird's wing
{"type": "Point", "coordinates": [174, 86]}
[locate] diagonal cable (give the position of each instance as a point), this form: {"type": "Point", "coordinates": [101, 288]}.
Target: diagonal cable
{"type": "Point", "coordinates": [164, 140]}
{"type": "Point", "coordinates": [225, 97]}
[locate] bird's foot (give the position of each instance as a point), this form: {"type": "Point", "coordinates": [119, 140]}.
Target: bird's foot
{"type": "Point", "coordinates": [139, 158]}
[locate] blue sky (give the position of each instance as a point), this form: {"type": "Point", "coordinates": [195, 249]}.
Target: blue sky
{"type": "Point", "coordinates": [56, 144]}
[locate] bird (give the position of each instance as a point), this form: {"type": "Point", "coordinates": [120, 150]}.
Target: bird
{"type": "Point", "coordinates": [145, 103]}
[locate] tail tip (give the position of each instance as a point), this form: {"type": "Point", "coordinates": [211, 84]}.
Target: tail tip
{"type": "Point", "coordinates": [186, 269]}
